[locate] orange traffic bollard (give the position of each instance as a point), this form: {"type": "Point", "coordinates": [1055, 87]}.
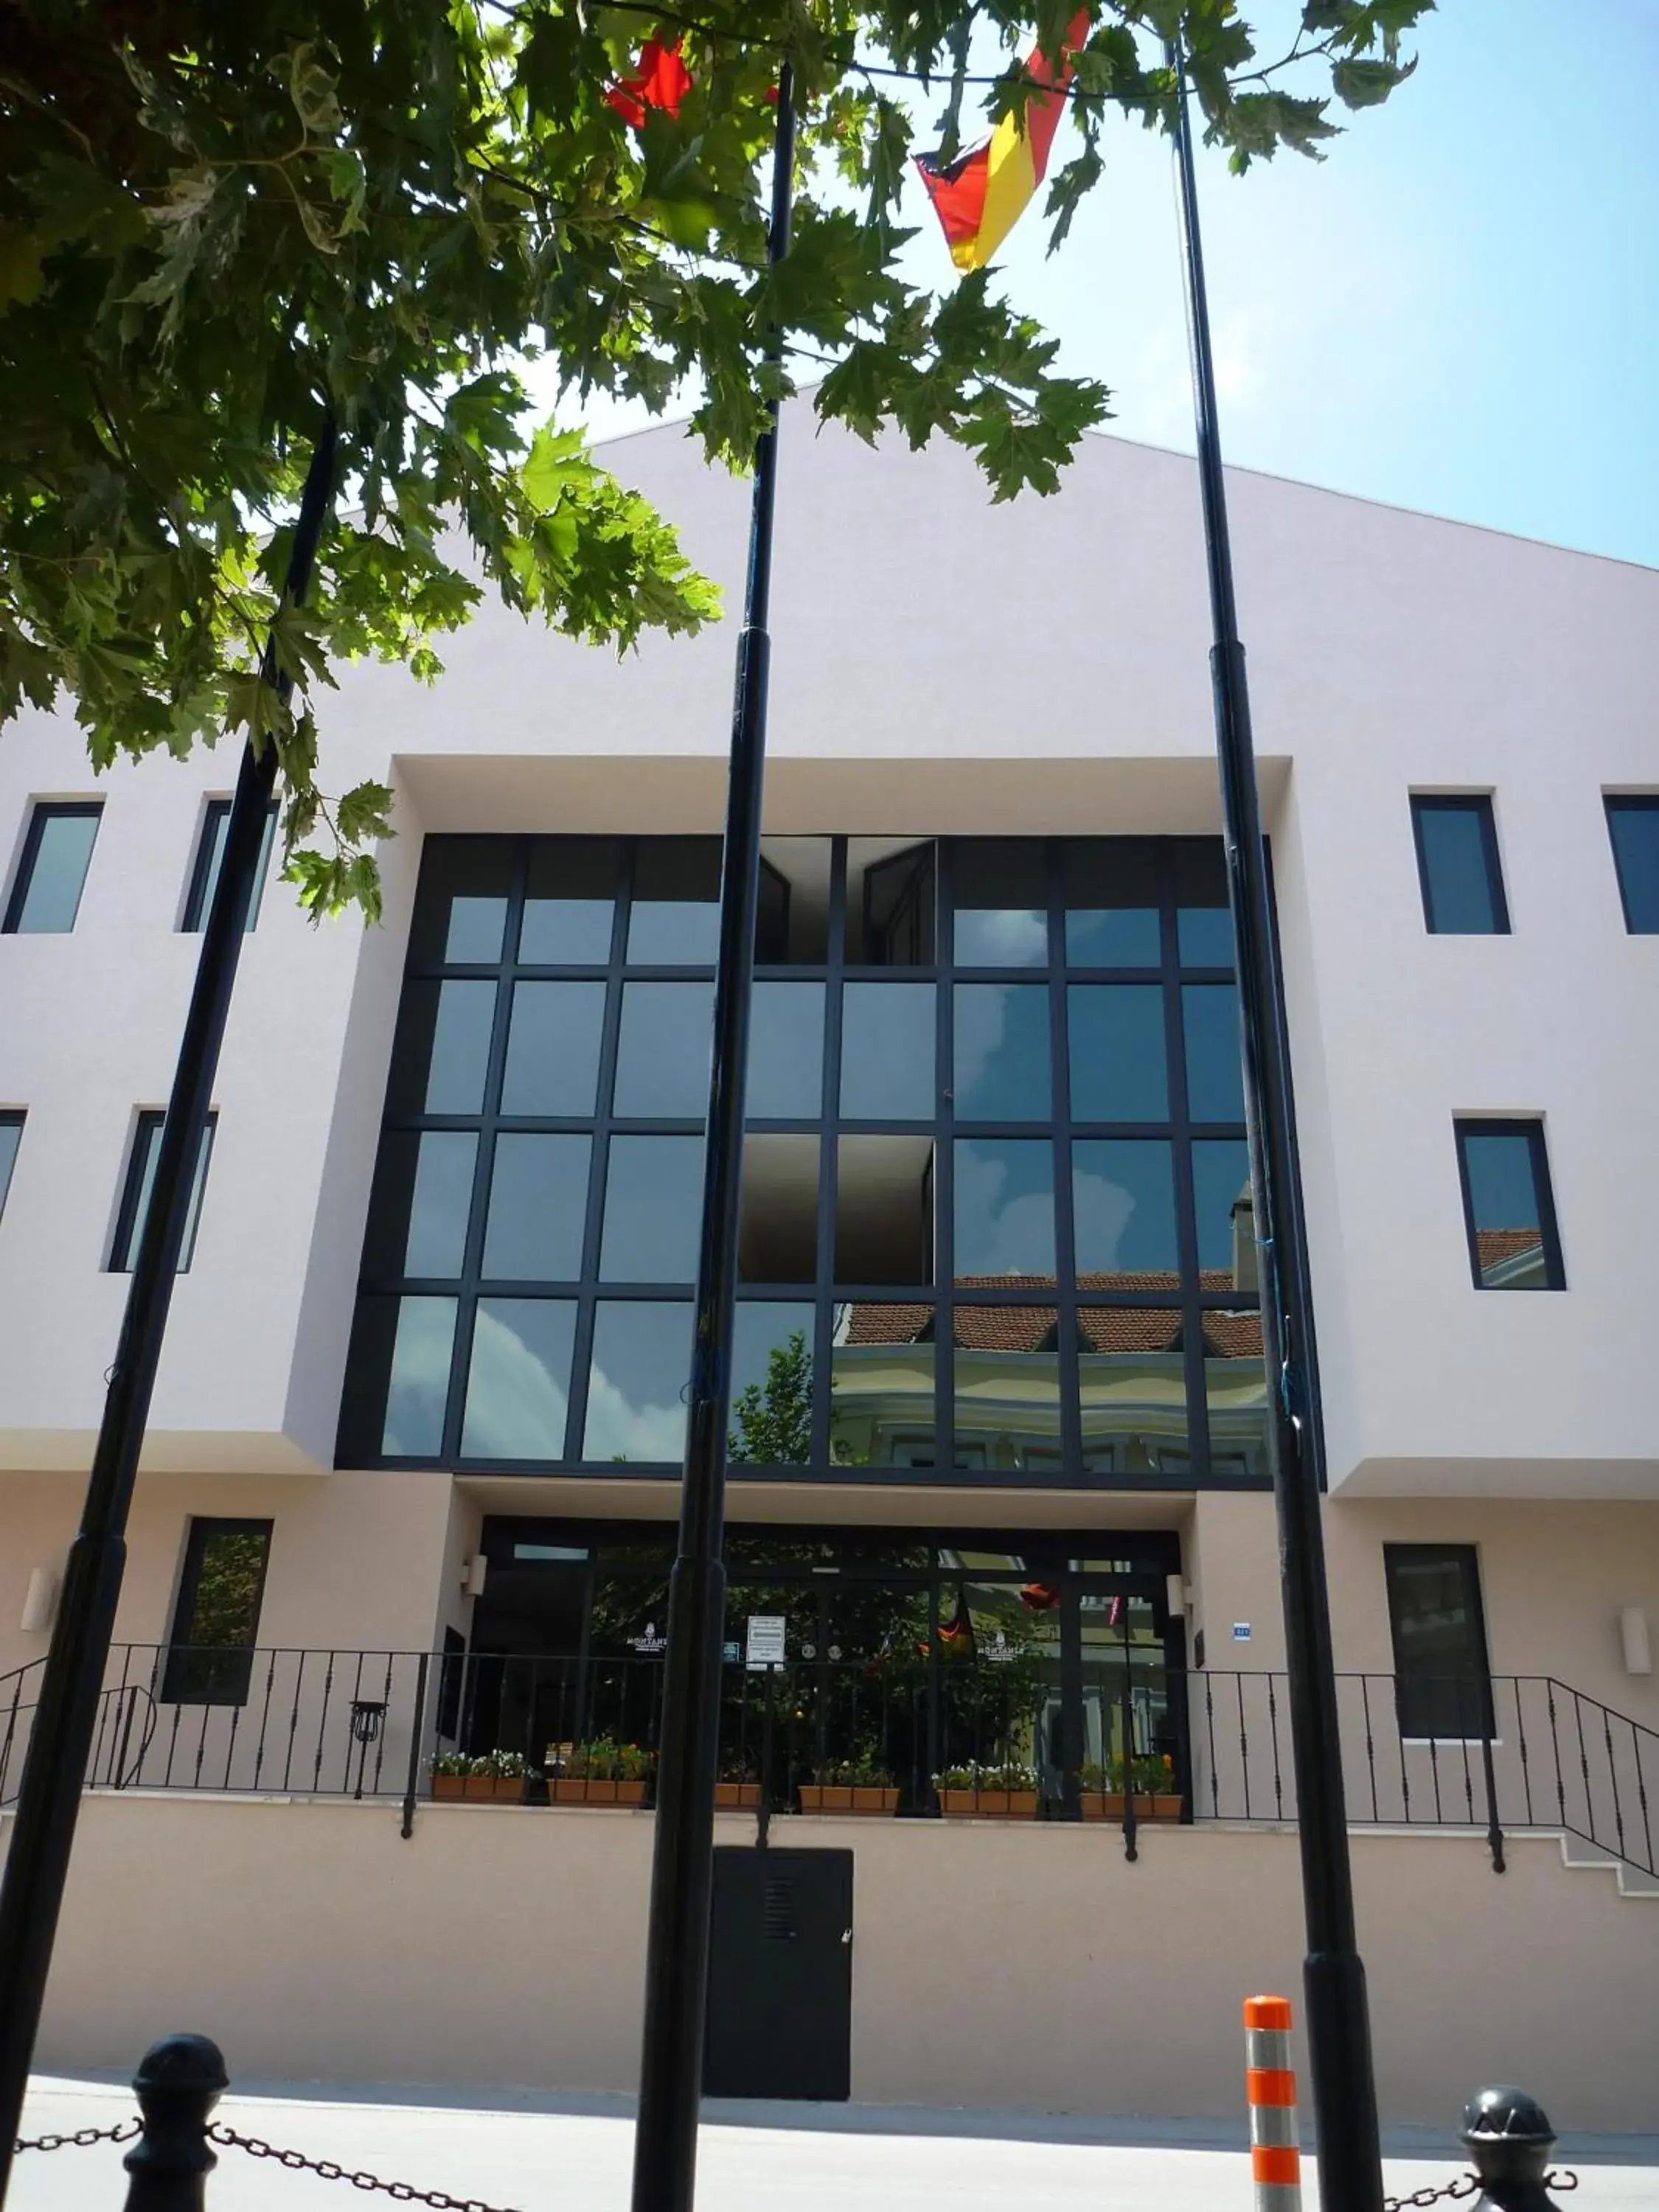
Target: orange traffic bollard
{"type": "Point", "coordinates": [1270, 2084]}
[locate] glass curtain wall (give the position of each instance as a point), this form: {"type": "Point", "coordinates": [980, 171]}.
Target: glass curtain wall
{"type": "Point", "coordinates": [996, 1223]}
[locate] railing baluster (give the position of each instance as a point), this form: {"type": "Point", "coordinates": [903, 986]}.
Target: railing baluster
{"type": "Point", "coordinates": [417, 1738]}
{"type": "Point", "coordinates": [1469, 1782]}
{"type": "Point", "coordinates": [205, 1708]}
{"type": "Point", "coordinates": [1613, 1777]}
{"type": "Point", "coordinates": [1583, 1766]}
{"type": "Point", "coordinates": [1370, 1738]}
{"type": "Point", "coordinates": [1521, 1742]}
{"type": "Point", "coordinates": [1637, 1733]}
{"type": "Point", "coordinates": [1215, 1770]}
{"type": "Point", "coordinates": [172, 1744]}
{"type": "Point", "coordinates": [264, 1715]}
{"type": "Point", "coordinates": [1555, 1742]}
{"type": "Point", "coordinates": [386, 1724]}
{"type": "Point", "coordinates": [1272, 1722]}
{"type": "Point", "coordinates": [230, 1742]}
{"type": "Point", "coordinates": [1434, 1777]}
{"type": "Point", "coordinates": [322, 1727]}
{"type": "Point", "coordinates": [293, 1721]}
{"type": "Point", "coordinates": [1244, 1740]}
{"type": "Point", "coordinates": [1400, 1747]}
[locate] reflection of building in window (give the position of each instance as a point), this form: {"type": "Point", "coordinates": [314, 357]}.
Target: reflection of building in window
{"type": "Point", "coordinates": [1007, 1383]}
{"type": "Point", "coordinates": [1511, 1259]}
{"type": "Point", "coordinates": [882, 1367]}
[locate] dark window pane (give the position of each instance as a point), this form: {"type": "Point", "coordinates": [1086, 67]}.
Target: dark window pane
{"type": "Point", "coordinates": [538, 1209]}
{"type": "Point", "coordinates": [1236, 1393]}
{"type": "Point", "coordinates": [793, 928]}
{"type": "Point", "coordinates": [1001, 903]}
{"type": "Point", "coordinates": [460, 907]}
{"type": "Point", "coordinates": [1004, 1213]}
{"type": "Point", "coordinates": [11, 1135]}
{"type": "Point", "coordinates": [441, 1058]}
{"type": "Point", "coordinates": [46, 897]}
{"type": "Point", "coordinates": [772, 1384]}
{"type": "Point", "coordinates": [786, 1053]}
{"type": "Point", "coordinates": [1215, 1072]}
{"type": "Point", "coordinates": [1442, 1686]}
{"type": "Point", "coordinates": [884, 1210]}
{"type": "Point", "coordinates": [1001, 1050]}
{"type": "Point", "coordinates": [217, 1619]}
{"type": "Point", "coordinates": [1111, 903]}
{"type": "Point", "coordinates": [518, 1384]}
{"type": "Point", "coordinates": [778, 1226]}
{"type": "Point", "coordinates": [1123, 1208]}
{"type": "Point", "coordinates": [674, 922]}
{"type": "Point", "coordinates": [1633, 825]}
{"type": "Point", "coordinates": [887, 1052]}
{"type": "Point", "coordinates": [135, 1201]}
{"type": "Point", "coordinates": [1119, 1063]}
{"type": "Point", "coordinates": [553, 1049]}
{"type": "Point", "coordinates": [1502, 1172]}
{"type": "Point", "coordinates": [636, 1386]}
{"type": "Point", "coordinates": [1132, 1389]}
{"type": "Point", "coordinates": [209, 858]}
{"type": "Point", "coordinates": [1226, 1215]}
{"type": "Point", "coordinates": [1204, 926]}
{"type": "Point", "coordinates": [569, 902]}
{"type": "Point", "coordinates": [892, 891]}
{"type": "Point", "coordinates": [1458, 855]}
{"type": "Point", "coordinates": [422, 1196]}
{"type": "Point", "coordinates": [653, 1210]}
{"type": "Point", "coordinates": [881, 1400]}
{"type": "Point", "coordinates": [663, 1054]}
{"type": "Point", "coordinates": [1004, 1381]}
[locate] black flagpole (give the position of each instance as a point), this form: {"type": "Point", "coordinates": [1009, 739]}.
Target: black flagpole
{"type": "Point", "coordinates": [49, 1800]}
{"type": "Point", "coordinates": [682, 1866]}
{"type": "Point", "coordinates": [1338, 2020]}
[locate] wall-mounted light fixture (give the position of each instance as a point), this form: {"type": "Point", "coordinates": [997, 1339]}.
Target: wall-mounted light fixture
{"type": "Point", "coordinates": [1178, 1594]}
{"type": "Point", "coordinates": [40, 1601]}
{"type": "Point", "coordinates": [1633, 1635]}
{"type": "Point", "coordinates": [473, 1571]}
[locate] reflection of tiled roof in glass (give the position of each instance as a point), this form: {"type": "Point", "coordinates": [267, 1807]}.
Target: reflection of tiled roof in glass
{"type": "Point", "coordinates": [1006, 1327]}
{"type": "Point", "coordinates": [1497, 1245]}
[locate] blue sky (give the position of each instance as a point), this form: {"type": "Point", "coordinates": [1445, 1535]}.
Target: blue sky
{"type": "Point", "coordinates": [1458, 310]}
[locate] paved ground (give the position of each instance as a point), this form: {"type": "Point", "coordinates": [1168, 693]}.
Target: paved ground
{"type": "Point", "coordinates": [547, 2155]}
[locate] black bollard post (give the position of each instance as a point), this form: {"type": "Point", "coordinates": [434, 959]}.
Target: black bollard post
{"type": "Point", "coordinates": [1509, 2141]}
{"type": "Point", "coordinates": [179, 2082]}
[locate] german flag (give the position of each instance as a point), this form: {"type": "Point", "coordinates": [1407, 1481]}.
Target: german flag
{"type": "Point", "coordinates": [981, 196]}
{"type": "Point", "coordinates": [662, 80]}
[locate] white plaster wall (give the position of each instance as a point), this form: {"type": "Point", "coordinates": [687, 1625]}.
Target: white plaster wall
{"type": "Point", "coordinates": [941, 663]}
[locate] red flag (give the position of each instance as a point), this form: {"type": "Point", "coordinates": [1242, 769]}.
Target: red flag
{"type": "Point", "coordinates": [663, 81]}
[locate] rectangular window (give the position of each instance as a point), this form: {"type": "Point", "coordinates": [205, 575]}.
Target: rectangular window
{"type": "Point", "coordinates": [1442, 1686]}
{"type": "Point", "coordinates": [209, 856]}
{"type": "Point", "coordinates": [1633, 826]}
{"type": "Point", "coordinates": [1457, 863]}
{"type": "Point", "coordinates": [135, 1199]}
{"type": "Point", "coordinates": [1508, 1209]}
{"type": "Point", "coordinates": [11, 1135]}
{"type": "Point", "coordinates": [215, 1623]}
{"type": "Point", "coordinates": [53, 873]}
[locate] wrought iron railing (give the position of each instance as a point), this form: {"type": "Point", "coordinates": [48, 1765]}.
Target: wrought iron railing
{"type": "Point", "coordinates": [1212, 1745]}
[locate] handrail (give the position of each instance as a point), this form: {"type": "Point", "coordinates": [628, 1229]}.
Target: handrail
{"type": "Point", "coordinates": [1511, 1751]}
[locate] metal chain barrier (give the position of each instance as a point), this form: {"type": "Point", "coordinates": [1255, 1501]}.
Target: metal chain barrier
{"type": "Point", "coordinates": [123, 2131]}
{"type": "Point", "coordinates": [401, 2191]}
{"type": "Point", "coordinates": [1466, 2184]}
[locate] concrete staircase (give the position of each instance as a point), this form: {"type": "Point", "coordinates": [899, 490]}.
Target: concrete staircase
{"type": "Point", "coordinates": [1633, 1880]}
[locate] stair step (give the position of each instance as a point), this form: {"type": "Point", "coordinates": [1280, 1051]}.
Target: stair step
{"type": "Point", "coordinates": [1637, 1882]}
{"type": "Point", "coordinates": [1579, 1851]}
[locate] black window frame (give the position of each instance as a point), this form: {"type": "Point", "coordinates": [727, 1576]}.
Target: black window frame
{"type": "Point", "coordinates": [11, 1118]}
{"type": "Point", "coordinates": [211, 1674]}
{"type": "Point", "coordinates": [1512, 1125]}
{"type": "Point", "coordinates": [44, 811]}
{"type": "Point", "coordinates": [1615, 803]}
{"type": "Point", "coordinates": [1480, 803]}
{"type": "Point", "coordinates": [1412, 1706]}
{"type": "Point", "coordinates": [363, 1399]}
{"type": "Point", "coordinates": [123, 1242]}
{"type": "Point", "coordinates": [217, 811]}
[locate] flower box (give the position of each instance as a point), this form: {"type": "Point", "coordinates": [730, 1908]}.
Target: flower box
{"type": "Point", "coordinates": [477, 1788]}
{"type": "Point", "coordinates": [989, 1804]}
{"type": "Point", "coordinates": [847, 1798]}
{"type": "Point", "coordinates": [584, 1789]}
{"type": "Point", "coordinates": [736, 1796]}
{"type": "Point", "coordinates": [1108, 1805]}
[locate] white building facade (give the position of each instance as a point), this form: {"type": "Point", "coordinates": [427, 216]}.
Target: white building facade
{"type": "Point", "coordinates": [407, 1500]}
